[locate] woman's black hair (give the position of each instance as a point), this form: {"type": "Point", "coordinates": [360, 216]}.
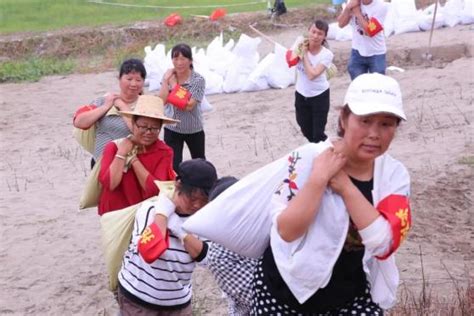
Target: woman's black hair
{"type": "Point", "coordinates": [184, 50]}
{"type": "Point", "coordinates": [323, 26]}
{"type": "Point", "coordinates": [189, 190]}
{"type": "Point", "coordinates": [132, 65]}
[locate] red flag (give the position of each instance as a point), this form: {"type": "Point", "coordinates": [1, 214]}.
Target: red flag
{"type": "Point", "coordinates": [179, 97]}
{"type": "Point", "coordinates": [173, 19]}
{"type": "Point", "coordinates": [217, 14]}
{"type": "Point", "coordinates": [374, 27]}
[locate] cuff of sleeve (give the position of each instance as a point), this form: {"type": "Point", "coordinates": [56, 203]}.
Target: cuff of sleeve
{"type": "Point", "coordinates": [164, 206]}
{"type": "Point", "coordinates": [376, 233]}
{"type": "Point", "coordinates": [203, 253]}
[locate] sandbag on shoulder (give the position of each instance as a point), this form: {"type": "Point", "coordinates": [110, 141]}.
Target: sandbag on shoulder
{"type": "Point", "coordinates": [240, 218]}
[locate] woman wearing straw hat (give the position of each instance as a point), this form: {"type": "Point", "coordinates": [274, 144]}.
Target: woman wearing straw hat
{"type": "Point", "coordinates": [130, 165]}
{"type": "Point", "coordinates": [334, 234]}
{"type": "Point", "coordinates": [102, 114]}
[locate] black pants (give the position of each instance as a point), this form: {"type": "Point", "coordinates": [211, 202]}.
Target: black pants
{"type": "Point", "coordinates": [195, 143]}
{"type": "Point", "coordinates": [312, 115]}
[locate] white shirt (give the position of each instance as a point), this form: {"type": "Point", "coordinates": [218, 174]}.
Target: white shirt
{"type": "Point", "coordinates": [325, 237]}
{"type": "Point", "coordinates": [369, 46]}
{"type": "Point", "coordinates": [311, 88]}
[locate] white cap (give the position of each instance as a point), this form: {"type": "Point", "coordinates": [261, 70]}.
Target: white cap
{"type": "Point", "coordinates": [375, 93]}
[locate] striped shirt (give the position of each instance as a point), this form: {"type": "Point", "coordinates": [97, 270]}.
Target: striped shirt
{"type": "Point", "coordinates": [108, 128]}
{"type": "Point", "coordinates": [190, 121]}
{"type": "Point", "coordinates": [165, 283]}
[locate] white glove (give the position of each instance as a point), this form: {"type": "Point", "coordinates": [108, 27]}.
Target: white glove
{"type": "Point", "coordinates": [164, 206]}
{"type": "Point", "coordinates": [175, 225]}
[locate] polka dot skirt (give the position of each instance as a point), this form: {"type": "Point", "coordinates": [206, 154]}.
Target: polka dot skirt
{"type": "Point", "coordinates": [264, 303]}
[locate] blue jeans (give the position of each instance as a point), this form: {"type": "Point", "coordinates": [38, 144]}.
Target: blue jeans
{"type": "Point", "coordinates": [360, 65]}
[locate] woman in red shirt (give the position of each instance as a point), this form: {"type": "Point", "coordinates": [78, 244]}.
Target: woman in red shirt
{"type": "Point", "coordinates": [130, 165]}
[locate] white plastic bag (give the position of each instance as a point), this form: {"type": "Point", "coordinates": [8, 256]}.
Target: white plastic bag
{"type": "Point", "coordinates": [257, 79]}
{"type": "Point", "coordinates": [279, 75]}
{"type": "Point", "coordinates": [245, 60]}
{"type": "Point", "coordinates": [240, 217]}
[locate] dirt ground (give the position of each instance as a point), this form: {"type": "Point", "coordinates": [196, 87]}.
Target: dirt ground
{"type": "Point", "coordinates": [50, 253]}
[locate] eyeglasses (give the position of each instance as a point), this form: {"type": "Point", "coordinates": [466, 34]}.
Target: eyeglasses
{"type": "Point", "coordinates": [144, 129]}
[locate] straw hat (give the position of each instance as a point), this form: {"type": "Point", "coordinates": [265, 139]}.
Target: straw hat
{"type": "Point", "coordinates": [150, 106]}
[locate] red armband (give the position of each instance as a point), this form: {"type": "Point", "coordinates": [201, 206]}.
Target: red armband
{"type": "Point", "coordinates": [396, 210]}
{"type": "Point", "coordinates": [151, 244]}
{"type": "Point", "coordinates": [374, 27]}
{"type": "Point", "coordinates": [82, 109]}
{"type": "Point", "coordinates": [291, 61]}
{"type": "Point", "coordinates": [179, 97]}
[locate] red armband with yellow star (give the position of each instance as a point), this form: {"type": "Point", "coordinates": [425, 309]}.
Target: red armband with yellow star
{"type": "Point", "coordinates": [291, 61]}
{"type": "Point", "coordinates": [152, 244]}
{"type": "Point", "coordinates": [179, 96]}
{"type": "Point", "coordinates": [395, 209]}
{"type": "Point", "coordinates": [374, 27]}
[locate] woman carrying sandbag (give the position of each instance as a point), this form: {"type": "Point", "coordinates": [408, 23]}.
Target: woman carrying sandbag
{"type": "Point", "coordinates": [183, 89]}
{"type": "Point", "coordinates": [334, 234]}
{"type": "Point", "coordinates": [102, 114]}
{"type": "Point", "coordinates": [312, 59]}
{"type": "Point", "coordinates": [156, 273]}
{"type": "Point", "coordinates": [130, 165]}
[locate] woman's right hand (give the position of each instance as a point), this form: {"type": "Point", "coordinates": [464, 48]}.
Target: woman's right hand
{"type": "Point", "coordinates": [125, 146]}
{"type": "Point", "coordinates": [110, 98]}
{"type": "Point", "coordinates": [170, 77]}
{"type": "Point", "coordinates": [327, 164]}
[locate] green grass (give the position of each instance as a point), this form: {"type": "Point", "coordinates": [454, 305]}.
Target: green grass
{"type": "Point", "coordinates": [33, 69]}
{"type": "Point", "coordinates": [48, 15]}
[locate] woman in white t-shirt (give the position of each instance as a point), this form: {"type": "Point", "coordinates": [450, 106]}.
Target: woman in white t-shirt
{"type": "Point", "coordinates": [312, 59]}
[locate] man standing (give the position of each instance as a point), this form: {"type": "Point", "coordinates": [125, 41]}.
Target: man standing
{"type": "Point", "coordinates": [368, 40]}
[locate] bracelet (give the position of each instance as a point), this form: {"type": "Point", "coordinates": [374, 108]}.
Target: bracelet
{"type": "Point", "coordinates": [120, 157]}
{"type": "Point", "coordinates": [134, 159]}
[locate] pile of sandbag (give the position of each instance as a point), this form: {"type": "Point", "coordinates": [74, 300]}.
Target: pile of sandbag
{"type": "Point", "coordinates": [402, 17]}
{"type": "Point", "coordinates": [227, 68]}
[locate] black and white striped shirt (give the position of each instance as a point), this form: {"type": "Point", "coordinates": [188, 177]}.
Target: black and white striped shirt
{"type": "Point", "coordinates": [166, 282]}
{"type": "Point", "coordinates": [190, 121]}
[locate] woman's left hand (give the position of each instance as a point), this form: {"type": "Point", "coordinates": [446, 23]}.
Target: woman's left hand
{"type": "Point", "coordinates": [340, 182]}
{"type": "Point", "coordinates": [121, 105]}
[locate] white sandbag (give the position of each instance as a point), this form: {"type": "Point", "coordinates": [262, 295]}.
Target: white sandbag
{"type": "Point", "coordinates": [205, 105]}
{"type": "Point", "coordinates": [467, 14]}
{"type": "Point", "coordinates": [213, 80]}
{"type": "Point", "coordinates": [155, 66]}
{"type": "Point", "coordinates": [333, 30]}
{"type": "Point", "coordinates": [425, 19]}
{"type": "Point", "coordinates": [257, 79]}
{"type": "Point", "coordinates": [279, 75]}
{"type": "Point", "coordinates": [245, 60]}
{"type": "Point", "coordinates": [389, 22]}
{"type": "Point", "coordinates": [344, 34]}
{"type": "Point", "coordinates": [452, 12]}
{"type": "Point", "coordinates": [240, 217]}
{"type": "Point", "coordinates": [407, 16]}
{"type": "Point", "coordinates": [220, 56]}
